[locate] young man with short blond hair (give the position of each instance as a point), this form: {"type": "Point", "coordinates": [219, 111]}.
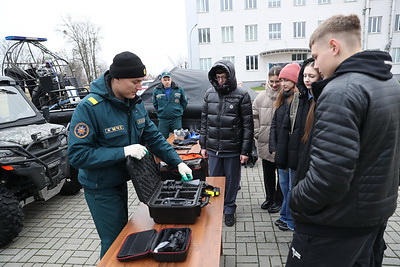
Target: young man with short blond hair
{"type": "Point", "coordinates": [348, 178]}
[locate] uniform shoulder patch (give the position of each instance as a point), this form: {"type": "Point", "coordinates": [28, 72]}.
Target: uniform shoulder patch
{"type": "Point", "coordinates": [93, 100]}
{"type": "Point", "coordinates": [81, 130]}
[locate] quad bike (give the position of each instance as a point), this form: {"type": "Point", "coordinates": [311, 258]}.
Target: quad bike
{"type": "Point", "coordinates": [45, 76]}
{"type": "Point", "coordinates": [33, 158]}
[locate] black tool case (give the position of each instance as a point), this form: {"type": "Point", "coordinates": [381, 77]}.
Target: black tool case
{"type": "Point", "coordinates": [169, 201]}
{"type": "Point", "coordinates": [167, 245]}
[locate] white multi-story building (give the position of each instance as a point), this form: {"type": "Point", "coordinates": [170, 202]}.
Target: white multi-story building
{"type": "Point", "coordinates": [257, 34]}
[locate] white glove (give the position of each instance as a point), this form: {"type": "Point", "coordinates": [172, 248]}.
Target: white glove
{"type": "Point", "coordinates": [185, 172]}
{"type": "Point", "coordinates": [137, 151]}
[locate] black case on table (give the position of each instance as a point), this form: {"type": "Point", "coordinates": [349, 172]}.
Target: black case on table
{"type": "Point", "coordinates": [142, 244]}
{"type": "Point", "coordinates": [170, 201]}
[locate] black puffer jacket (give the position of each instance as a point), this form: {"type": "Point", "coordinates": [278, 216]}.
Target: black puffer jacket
{"type": "Point", "coordinates": [290, 145]}
{"type": "Point", "coordinates": [351, 175]}
{"type": "Point", "coordinates": [227, 118]}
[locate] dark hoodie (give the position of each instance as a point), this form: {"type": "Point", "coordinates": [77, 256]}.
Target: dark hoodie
{"type": "Point", "coordinates": [227, 118]}
{"type": "Point", "coordinates": [348, 176]}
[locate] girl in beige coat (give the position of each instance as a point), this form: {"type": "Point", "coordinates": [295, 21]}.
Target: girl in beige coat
{"type": "Point", "coordinates": [263, 112]}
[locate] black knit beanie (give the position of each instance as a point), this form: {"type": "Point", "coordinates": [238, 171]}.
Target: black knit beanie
{"type": "Point", "coordinates": [127, 65]}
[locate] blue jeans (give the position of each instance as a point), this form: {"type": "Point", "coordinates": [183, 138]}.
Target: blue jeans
{"type": "Point", "coordinates": [285, 182]}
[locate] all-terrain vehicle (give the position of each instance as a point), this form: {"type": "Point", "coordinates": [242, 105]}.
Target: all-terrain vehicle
{"type": "Point", "coordinates": [48, 78]}
{"type": "Point", "coordinates": [33, 158]}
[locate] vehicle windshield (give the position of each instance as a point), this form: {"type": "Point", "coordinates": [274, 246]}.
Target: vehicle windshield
{"type": "Point", "coordinates": [13, 106]}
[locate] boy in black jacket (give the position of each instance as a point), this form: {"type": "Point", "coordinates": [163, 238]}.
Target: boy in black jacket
{"type": "Point", "coordinates": [347, 184]}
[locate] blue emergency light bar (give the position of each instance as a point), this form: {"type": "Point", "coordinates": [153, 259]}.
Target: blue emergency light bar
{"type": "Point", "coordinates": [24, 38]}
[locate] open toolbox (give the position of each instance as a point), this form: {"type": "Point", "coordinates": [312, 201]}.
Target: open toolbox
{"type": "Point", "coordinates": [169, 201]}
{"type": "Point", "coordinates": [167, 245]}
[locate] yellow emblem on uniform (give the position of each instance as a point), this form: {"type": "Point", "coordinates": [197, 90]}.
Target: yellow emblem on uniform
{"type": "Point", "coordinates": [81, 130]}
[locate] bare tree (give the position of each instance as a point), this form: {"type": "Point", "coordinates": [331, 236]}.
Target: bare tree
{"type": "Point", "coordinates": [85, 38]}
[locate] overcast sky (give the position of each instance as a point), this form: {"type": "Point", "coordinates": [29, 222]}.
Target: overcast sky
{"type": "Point", "coordinates": [152, 29]}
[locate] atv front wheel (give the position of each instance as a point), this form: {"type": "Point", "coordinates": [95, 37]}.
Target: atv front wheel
{"type": "Point", "coordinates": [11, 216]}
{"type": "Point", "coordinates": [71, 185]}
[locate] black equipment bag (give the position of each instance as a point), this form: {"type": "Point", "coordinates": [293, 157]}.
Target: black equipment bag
{"type": "Point", "coordinates": [167, 245]}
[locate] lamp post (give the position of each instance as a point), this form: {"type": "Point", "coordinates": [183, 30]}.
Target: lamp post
{"type": "Point", "coordinates": [190, 45]}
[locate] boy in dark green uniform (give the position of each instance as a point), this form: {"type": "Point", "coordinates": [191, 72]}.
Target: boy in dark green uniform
{"type": "Point", "coordinates": [170, 101]}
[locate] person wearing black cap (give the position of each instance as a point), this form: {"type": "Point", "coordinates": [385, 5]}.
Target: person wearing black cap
{"type": "Point", "coordinates": [170, 101]}
{"type": "Point", "coordinates": [108, 125]}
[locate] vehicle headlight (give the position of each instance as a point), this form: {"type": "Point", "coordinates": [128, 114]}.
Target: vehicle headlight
{"type": "Point", "coordinates": [7, 157]}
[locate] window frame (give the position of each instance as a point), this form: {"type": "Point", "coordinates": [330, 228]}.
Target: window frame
{"type": "Point", "coordinates": [274, 34]}
{"type": "Point", "coordinates": [230, 58]}
{"type": "Point", "coordinates": [204, 35]}
{"type": "Point", "coordinates": [251, 32]}
{"type": "Point", "coordinates": [397, 23]}
{"type": "Point", "coordinates": [274, 3]}
{"type": "Point", "coordinates": [203, 6]}
{"type": "Point", "coordinates": [226, 5]}
{"type": "Point", "coordinates": [205, 63]}
{"type": "Point", "coordinates": [299, 27]}
{"type": "Point", "coordinates": [299, 2]}
{"type": "Point", "coordinates": [252, 62]}
{"type": "Point", "coordinates": [227, 34]}
{"type": "Point", "coordinates": [251, 4]}
{"type": "Point", "coordinates": [395, 53]}
{"type": "Point", "coordinates": [375, 24]}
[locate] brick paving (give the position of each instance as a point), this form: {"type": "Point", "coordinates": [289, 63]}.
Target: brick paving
{"type": "Point", "coordinates": [60, 232]}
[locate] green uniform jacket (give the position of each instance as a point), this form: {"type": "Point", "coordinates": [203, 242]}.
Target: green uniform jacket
{"type": "Point", "coordinates": [171, 108]}
{"type": "Point", "coordinates": [101, 126]}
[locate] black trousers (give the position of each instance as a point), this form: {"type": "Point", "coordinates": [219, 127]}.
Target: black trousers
{"type": "Point", "coordinates": [345, 251]}
{"type": "Point", "coordinates": [271, 184]}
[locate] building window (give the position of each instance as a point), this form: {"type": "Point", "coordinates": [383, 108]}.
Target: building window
{"type": "Point", "coordinates": [397, 23]}
{"type": "Point", "coordinates": [226, 5]}
{"type": "Point", "coordinates": [204, 36]}
{"type": "Point", "coordinates": [231, 59]}
{"type": "Point", "coordinates": [274, 31]}
{"type": "Point", "coordinates": [202, 5]}
{"type": "Point", "coordinates": [251, 4]}
{"type": "Point", "coordinates": [299, 2]}
{"type": "Point", "coordinates": [395, 55]}
{"type": "Point", "coordinates": [227, 34]}
{"type": "Point", "coordinates": [252, 62]}
{"type": "Point", "coordinates": [374, 24]}
{"type": "Point", "coordinates": [299, 29]}
{"type": "Point", "coordinates": [251, 32]}
{"type": "Point", "coordinates": [299, 57]}
{"type": "Point", "coordinates": [205, 63]}
{"type": "Point", "coordinates": [320, 2]}
{"type": "Point", "coordinates": [274, 3]}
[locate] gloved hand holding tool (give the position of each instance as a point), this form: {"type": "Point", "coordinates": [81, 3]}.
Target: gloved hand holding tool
{"type": "Point", "coordinates": [185, 172]}
{"type": "Point", "coordinates": [136, 151]}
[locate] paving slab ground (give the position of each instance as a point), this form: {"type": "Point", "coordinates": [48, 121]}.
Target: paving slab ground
{"type": "Point", "coordinates": [60, 232]}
